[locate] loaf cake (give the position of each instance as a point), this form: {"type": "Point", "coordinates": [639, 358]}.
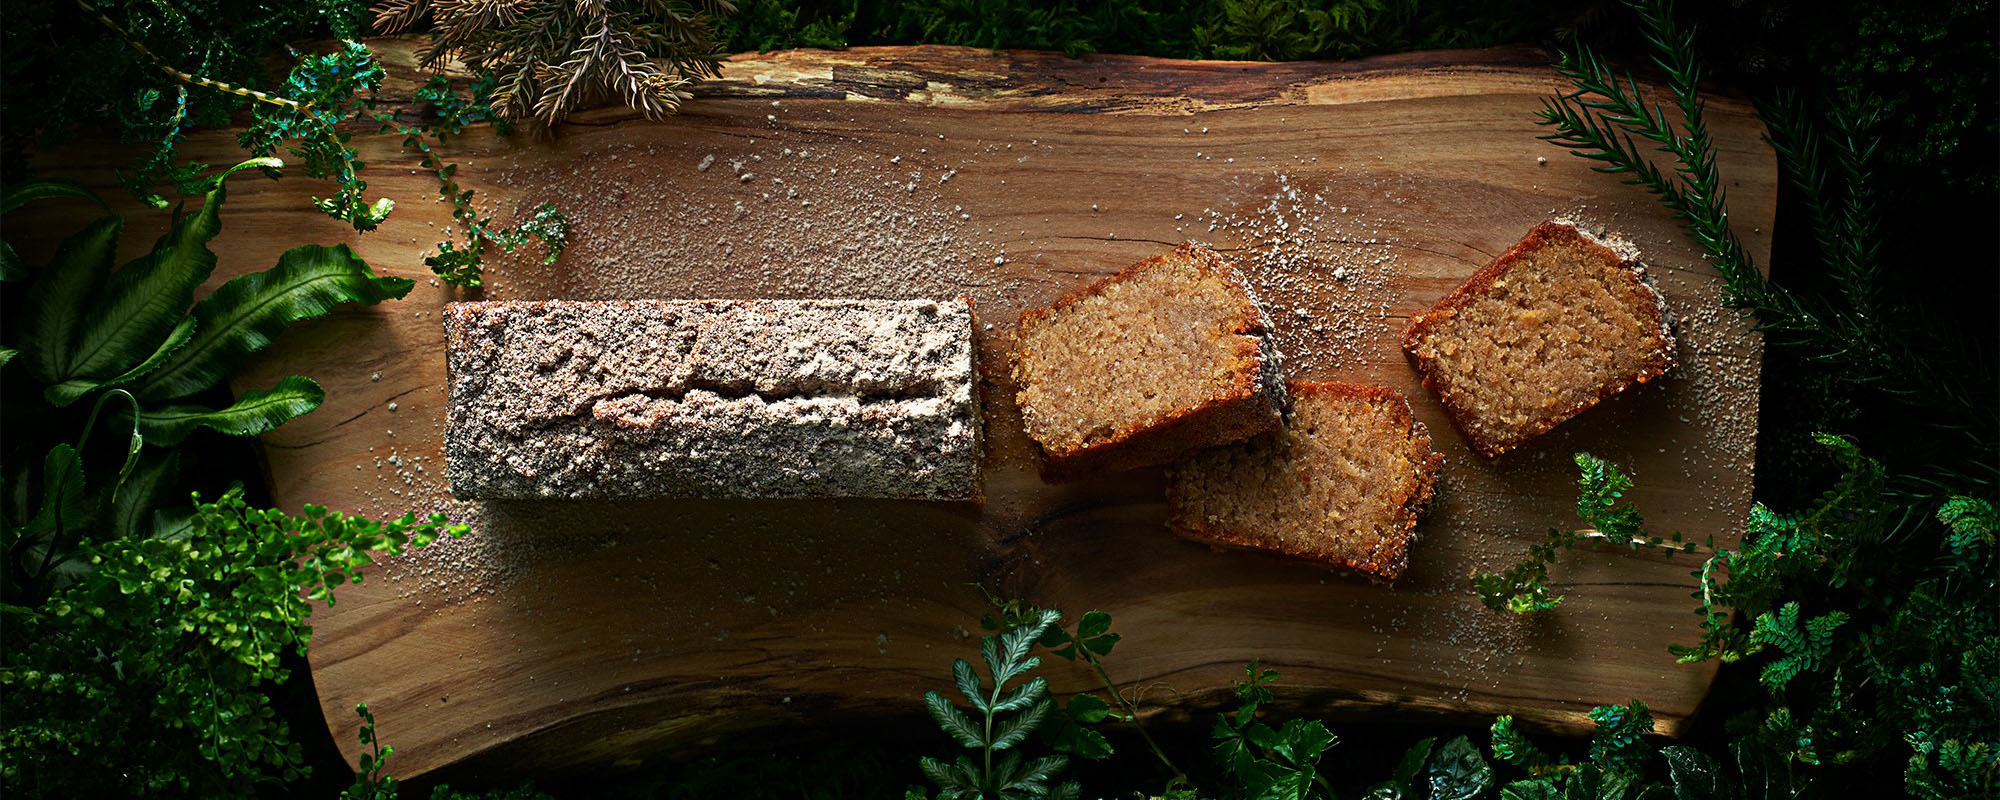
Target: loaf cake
{"type": "Point", "coordinates": [712, 398]}
{"type": "Point", "coordinates": [1166, 357]}
{"type": "Point", "coordinates": [1341, 483]}
{"type": "Point", "coordinates": [1557, 323]}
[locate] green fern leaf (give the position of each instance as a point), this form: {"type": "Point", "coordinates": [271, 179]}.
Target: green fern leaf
{"type": "Point", "coordinates": [149, 296]}
{"type": "Point", "coordinates": [1017, 727]}
{"type": "Point", "coordinates": [968, 684]}
{"type": "Point", "coordinates": [249, 312]}
{"type": "Point", "coordinates": [69, 391]}
{"type": "Point", "coordinates": [26, 192]}
{"type": "Point", "coordinates": [953, 721]}
{"type": "Point", "coordinates": [57, 300]}
{"type": "Point", "coordinates": [254, 413]}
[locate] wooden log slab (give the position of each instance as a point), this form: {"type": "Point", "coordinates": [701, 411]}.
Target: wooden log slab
{"type": "Point", "coordinates": [590, 633]}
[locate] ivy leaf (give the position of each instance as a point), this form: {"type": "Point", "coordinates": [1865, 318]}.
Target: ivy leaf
{"type": "Point", "coordinates": [249, 312]}
{"type": "Point", "coordinates": [257, 412]}
{"type": "Point", "coordinates": [69, 391]}
{"type": "Point", "coordinates": [56, 302]}
{"type": "Point", "coordinates": [1459, 772]}
{"type": "Point", "coordinates": [149, 295]}
{"type": "Point", "coordinates": [1302, 741]}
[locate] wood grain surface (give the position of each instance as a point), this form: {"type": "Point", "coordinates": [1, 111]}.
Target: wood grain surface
{"type": "Point", "coordinates": [567, 634]}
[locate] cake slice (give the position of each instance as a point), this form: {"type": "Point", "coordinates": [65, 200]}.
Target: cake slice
{"type": "Point", "coordinates": [1554, 325]}
{"type": "Point", "coordinates": [1341, 483]}
{"type": "Point", "coordinates": [1167, 357]}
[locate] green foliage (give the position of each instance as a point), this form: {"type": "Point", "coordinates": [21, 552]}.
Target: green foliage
{"type": "Point", "coordinates": [1231, 29]}
{"type": "Point", "coordinates": [1070, 731]}
{"type": "Point", "coordinates": [160, 654]}
{"type": "Point", "coordinates": [1006, 717]}
{"type": "Point", "coordinates": [460, 262]}
{"type": "Point", "coordinates": [1854, 337]}
{"type": "Point", "coordinates": [1870, 634]}
{"type": "Point", "coordinates": [373, 781]}
{"type": "Point", "coordinates": [1524, 587]}
{"type": "Point", "coordinates": [1265, 762]}
{"type": "Point", "coordinates": [209, 57]}
{"type": "Point", "coordinates": [325, 91]}
{"type": "Point", "coordinates": [1616, 769]}
{"type": "Point", "coordinates": [127, 340]}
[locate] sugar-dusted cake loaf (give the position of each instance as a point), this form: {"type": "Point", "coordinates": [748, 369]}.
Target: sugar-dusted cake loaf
{"type": "Point", "coordinates": [1341, 483]}
{"type": "Point", "coordinates": [1169, 356]}
{"type": "Point", "coordinates": [1557, 323]}
{"type": "Point", "coordinates": [712, 398]}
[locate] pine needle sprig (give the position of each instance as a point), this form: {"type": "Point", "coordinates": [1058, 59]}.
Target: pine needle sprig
{"type": "Point", "coordinates": [552, 57]}
{"type": "Point", "coordinates": [1607, 119]}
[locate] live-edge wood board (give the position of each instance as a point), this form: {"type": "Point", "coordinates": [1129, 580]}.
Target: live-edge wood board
{"type": "Point", "coordinates": [566, 633]}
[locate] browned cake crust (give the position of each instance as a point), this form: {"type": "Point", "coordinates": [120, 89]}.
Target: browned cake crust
{"type": "Point", "coordinates": [1343, 483]}
{"type": "Point", "coordinates": [1491, 403]}
{"type": "Point", "coordinates": [1242, 397]}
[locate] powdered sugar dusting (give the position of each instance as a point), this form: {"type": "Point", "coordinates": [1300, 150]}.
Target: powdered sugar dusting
{"type": "Point", "coordinates": [1294, 238]}
{"type": "Point", "coordinates": [762, 220]}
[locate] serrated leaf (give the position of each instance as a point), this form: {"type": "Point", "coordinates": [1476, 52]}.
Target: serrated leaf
{"type": "Point", "coordinates": [1412, 762]}
{"type": "Point", "coordinates": [953, 721]}
{"type": "Point", "coordinates": [69, 391]}
{"type": "Point", "coordinates": [21, 194]}
{"type": "Point", "coordinates": [56, 303]}
{"type": "Point", "coordinates": [1293, 784]}
{"type": "Point", "coordinates": [1459, 772]}
{"type": "Point", "coordinates": [968, 683]}
{"type": "Point", "coordinates": [249, 312]}
{"type": "Point", "coordinates": [255, 413]}
{"type": "Point", "coordinates": [1530, 790]}
{"type": "Point", "coordinates": [1088, 709]}
{"type": "Point", "coordinates": [7, 354]}
{"type": "Point", "coordinates": [1695, 776]}
{"type": "Point", "coordinates": [1022, 696]}
{"type": "Point", "coordinates": [1017, 727]}
{"type": "Point", "coordinates": [939, 772]}
{"type": "Point", "coordinates": [149, 296]}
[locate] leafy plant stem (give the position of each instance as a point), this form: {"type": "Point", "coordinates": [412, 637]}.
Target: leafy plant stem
{"type": "Point", "coordinates": [1132, 716]}
{"type": "Point", "coordinates": [59, 541]}
{"type": "Point", "coordinates": [183, 77]}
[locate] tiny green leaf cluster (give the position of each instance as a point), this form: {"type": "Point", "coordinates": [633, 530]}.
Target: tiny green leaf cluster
{"type": "Point", "coordinates": [147, 676]}
{"type": "Point", "coordinates": [135, 342]}
{"type": "Point", "coordinates": [1524, 587]}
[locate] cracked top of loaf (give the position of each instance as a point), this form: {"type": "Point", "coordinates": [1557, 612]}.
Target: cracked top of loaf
{"type": "Point", "coordinates": [712, 398]}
